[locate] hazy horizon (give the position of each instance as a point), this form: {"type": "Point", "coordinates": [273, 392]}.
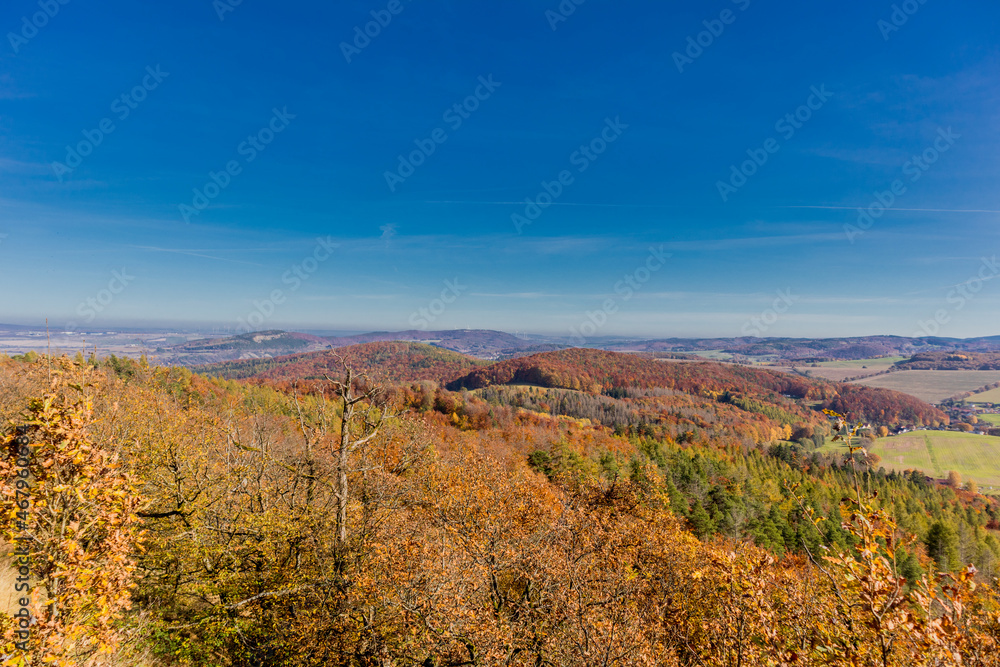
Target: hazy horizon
{"type": "Point", "coordinates": [228, 329]}
{"type": "Point", "coordinates": [713, 171]}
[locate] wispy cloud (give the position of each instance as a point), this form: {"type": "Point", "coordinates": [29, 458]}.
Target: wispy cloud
{"type": "Point", "coordinates": [194, 253]}
{"type": "Point", "coordinates": [339, 297]}
{"type": "Point", "coordinates": [753, 241]}
{"type": "Point", "coordinates": [518, 295]}
{"type": "Point", "coordinates": [18, 167]}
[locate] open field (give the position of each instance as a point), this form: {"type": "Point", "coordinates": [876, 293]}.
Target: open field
{"type": "Point", "coordinates": [838, 371]}
{"type": "Point", "coordinates": [874, 365]}
{"type": "Point", "coordinates": [714, 355]}
{"type": "Point", "coordinates": [120, 343]}
{"type": "Point", "coordinates": [933, 386]}
{"type": "Point", "coordinates": [991, 396]}
{"type": "Point", "coordinates": [990, 419]}
{"type": "Point", "coordinates": [936, 452]}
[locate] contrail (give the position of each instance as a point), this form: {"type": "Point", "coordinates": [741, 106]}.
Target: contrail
{"type": "Point", "coordinates": [195, 254]}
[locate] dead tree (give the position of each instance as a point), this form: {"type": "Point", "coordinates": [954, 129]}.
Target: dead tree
{"type": "Point", "coordinates": [365, 410]}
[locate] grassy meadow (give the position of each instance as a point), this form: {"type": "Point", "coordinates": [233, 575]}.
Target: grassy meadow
{"type": "Point", "coordinates": [991, 396]}
{"type": "Point", "coordinates": [975, 457]}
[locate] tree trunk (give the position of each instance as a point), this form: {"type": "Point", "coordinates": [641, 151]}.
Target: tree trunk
{"type": "Point", "coordinates": [342, 461]}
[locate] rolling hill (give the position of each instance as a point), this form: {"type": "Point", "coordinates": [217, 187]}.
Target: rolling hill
{"type": "Point", "coordinates": [599, 371]}
{"type": "Point", "coordinates": [395, 362]}
{"type": "Point", "coordinates": [481, 343]}
{"type": "Point", "coordinates": [951, 361]}
{"type": "Point", "coordinates": [933, 386]}
{"type": "Point", "coordinates": [256, 345]}
{"type": "Point", "coordinates": [498, 345]}
{"type": "Point", "coordinates": [811, 349]}
{"type": "Point", "coordinates": [788, 398]}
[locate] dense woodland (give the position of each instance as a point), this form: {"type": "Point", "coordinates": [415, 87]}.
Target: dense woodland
{"type": "Point", "coordinates": [389, 362]}
{"type": "Point", "coordinates": [951, 361]}
{"type": "Point", "coordinates": [572, 508]}
{"type": "Point", "coordinates": [596, 371]}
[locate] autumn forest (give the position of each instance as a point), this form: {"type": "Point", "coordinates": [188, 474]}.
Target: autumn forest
{"type": "Point", "coordinates": [391, 505]}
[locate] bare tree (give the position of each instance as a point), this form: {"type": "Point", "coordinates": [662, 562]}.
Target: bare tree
{"type": "Point", "coordinates": [365, 409]}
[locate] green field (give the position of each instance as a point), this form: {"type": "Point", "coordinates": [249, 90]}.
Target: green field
{"type": "Point", "coordinates": [936, 452]}
{"type": "Point", "coordinates": [990, 419]}
{"type": "Point", "coordinates": [991, 396]}
{"type": "Point", "coordinates": [933, 386]}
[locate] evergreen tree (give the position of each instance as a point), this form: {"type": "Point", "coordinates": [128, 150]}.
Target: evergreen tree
{"type": "Point", "coordinates": [942, 546]}
{"type": "Point", "coordinates": [701, 522]}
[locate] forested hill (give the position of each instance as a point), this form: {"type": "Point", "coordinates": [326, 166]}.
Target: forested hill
{"type": "Point", "coordinates": [476, 342]}
{"type": "Point", "coordinates": [256, 344]}
{"type": "Point", "coordinates": [493, 345]}
{"type": "Point", "coordinates": [387, 361]}
{"type": "Point", "coordinates": [599, 371]}
{"type": "Point", "coordinates": [951, 361]}
{"type": "Point", "coordinates": [683, 508]}
{"type": "Point", "coordinates": [796, 398]}
{"type": "Point", "coordinates": [237, 529]}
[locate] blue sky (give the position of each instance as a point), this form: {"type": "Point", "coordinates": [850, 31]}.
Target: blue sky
{"type": "Point", "coordinates": [201, 90]}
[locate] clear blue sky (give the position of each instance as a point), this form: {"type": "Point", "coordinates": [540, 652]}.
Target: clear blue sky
{"type": "Point", "coordinates": [885, 95]}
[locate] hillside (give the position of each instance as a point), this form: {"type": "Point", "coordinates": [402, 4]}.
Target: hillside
{"type": "Point", "coordinates": [388, 362]}
{"type": "Point", "coordinates": [600, 371]}
{"type": "Point", "coordinates": [495, 345]}
{"type": "Point", "coordinates": [810, 349]}
{"type": "Point", "coordinates": [481, 343]}
{"type": "Point", "coordinates": [788, 349]}
{"type": "Point", "coordinates": [951, 361]}
{"type": "Point", "coordinates": [933, 386]}
{"type": "Point", "coordinates": [259, 344]}
{"type": "Point", "coordinates": [973, 456]}
{"type": "Point", "coordinates": [511, 516]}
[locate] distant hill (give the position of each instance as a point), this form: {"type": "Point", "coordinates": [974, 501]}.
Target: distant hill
{"type": "Point", "coordinates": [498, 345]}
{"type": "Point", "coordinates": [269, 344]}
{"type": "Point", "coordinates": [951, 361]}
{"type": "Point", "coordinates": [790, 349]}
{"type": "Point", "coordinates": [600, 371]}
{"type": "Point", "coordinates": [396, 362]}
{"type": "Point", "coordinates": [256, 345]}
{"type": "Point", "coordinates": [481, 343]}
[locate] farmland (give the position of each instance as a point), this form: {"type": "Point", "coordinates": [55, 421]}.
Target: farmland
{"type": "Point", "coordinates": [975, 457]}
{"type": "Point", "coordinates": [876, 364]}
{"type": "Point", "coordinates": [714, 355]}
{"type": "Point", "coordinates": [991, 396]}
{"type": "Point", "coordinates": [932, 386]}
{"type": "Point", "coordinates": [840, 370]}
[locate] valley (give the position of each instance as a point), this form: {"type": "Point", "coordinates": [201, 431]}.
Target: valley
{"type": "Point", "coordinates": [688, 468]}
